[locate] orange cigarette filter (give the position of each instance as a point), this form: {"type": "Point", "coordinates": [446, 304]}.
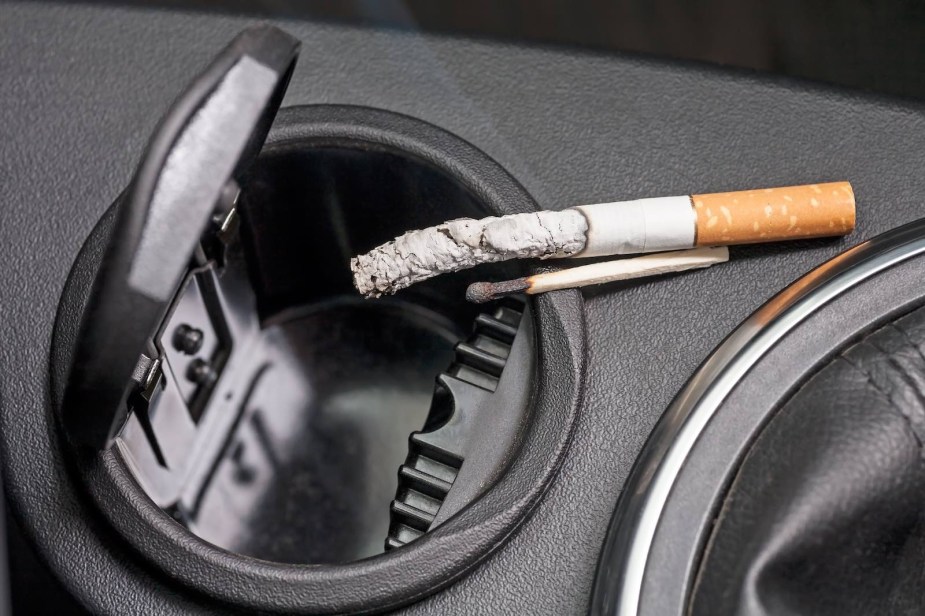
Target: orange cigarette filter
{"type": "Point", "coordinates": [771, 214]}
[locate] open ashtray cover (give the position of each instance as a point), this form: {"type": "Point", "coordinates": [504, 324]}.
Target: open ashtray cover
{"type": "Point", "coordinates": [187, 181]}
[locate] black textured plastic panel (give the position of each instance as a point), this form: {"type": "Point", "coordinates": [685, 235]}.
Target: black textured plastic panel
{"type": "Point", "coordinates": [84, 85]}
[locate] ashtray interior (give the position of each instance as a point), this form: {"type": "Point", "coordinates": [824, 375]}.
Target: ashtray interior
{"type": "Point", "coordinates": [322, 394]}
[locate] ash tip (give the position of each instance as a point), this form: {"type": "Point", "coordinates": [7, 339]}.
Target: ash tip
{"type": "Point", "coordinates": [481, 292]}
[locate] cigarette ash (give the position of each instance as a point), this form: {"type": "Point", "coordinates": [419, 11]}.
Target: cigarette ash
{"type": "Point", "coordinates": [460, 244]}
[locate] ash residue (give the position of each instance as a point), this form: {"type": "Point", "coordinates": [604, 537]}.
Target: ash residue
{"type": "Point", "coordinates": [464, 243]}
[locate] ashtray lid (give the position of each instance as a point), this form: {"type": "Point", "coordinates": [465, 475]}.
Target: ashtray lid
{"type": "Point", "coordinates": [191, 171]}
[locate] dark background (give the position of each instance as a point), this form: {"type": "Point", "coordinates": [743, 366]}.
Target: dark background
{"type": "Point", "coordinates": [868, 44]}
{"type": "Point", "coordinates": [876, 46]}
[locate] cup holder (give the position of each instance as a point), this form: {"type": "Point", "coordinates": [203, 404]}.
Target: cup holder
{"type": "Point", "coordinates": [292, 447]}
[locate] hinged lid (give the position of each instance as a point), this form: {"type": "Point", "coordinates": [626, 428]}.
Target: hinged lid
{"type": "Point", "coordinates": [201, 148]}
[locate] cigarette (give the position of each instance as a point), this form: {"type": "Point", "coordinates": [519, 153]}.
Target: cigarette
{"type": "Point", "coordinates": [600, 273]}
{"type": "Point", "coordinates": [603, 229]}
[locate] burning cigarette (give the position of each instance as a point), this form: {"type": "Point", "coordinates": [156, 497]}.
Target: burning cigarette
{"type": "Point", "coordinates": [599, 273]}
{"type": "Point", "coordinates": [624, 227]}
